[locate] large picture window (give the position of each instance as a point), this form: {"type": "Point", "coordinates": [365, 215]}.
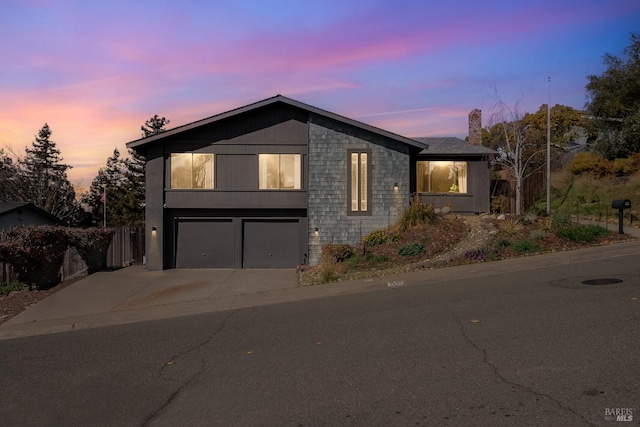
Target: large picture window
{"type": "Point", "coordinates": [192, 170]}
{"type": "Point", "coordinates": [442, 177]}
{"type": "Point", "coordinates": [279, 171]}
{"type": "Point", "coordinates": [359, 189]}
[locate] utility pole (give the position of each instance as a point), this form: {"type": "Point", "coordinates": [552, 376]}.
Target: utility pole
{"type": "Point", "coordinates": [549, 148]}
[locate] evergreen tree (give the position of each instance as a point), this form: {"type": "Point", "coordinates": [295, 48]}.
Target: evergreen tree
{"type": "Point", "coordinates": [135, 186]}
{"type": "Point", "coordinates": [154, 126]}
{"type": "Point", "coordinates": [10, 182]}
{"type": "Point", "coordinates": [110, 181]}
{"type": "Point", "coordinates": [45, 178]}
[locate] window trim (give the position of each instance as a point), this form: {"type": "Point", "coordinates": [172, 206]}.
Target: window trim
{"type": "Point", "coordinates": [359, 212]}
{"type": "Point", "coordinates": [213, 177]}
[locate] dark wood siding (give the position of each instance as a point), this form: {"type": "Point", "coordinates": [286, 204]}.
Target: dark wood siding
{"type": "Point", "coordinates": [236, 144]}
{"type": "Point", "coordinates": [236, 172]}
{"type": "Point", "coordinates": [200, 199]}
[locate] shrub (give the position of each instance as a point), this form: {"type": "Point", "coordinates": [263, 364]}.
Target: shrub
{"type": "Point", "coordinates": [585, 162]}
{"type": "Point", "coordinates": [525, 246]}
{"type": "Point", "coordinates": [538, 234]}
{"type": "Point", "coordinates": [622, 167]}
{"type": "Point", "coordinates": [417, 213]}
{"type": "Point", "coordinates": [604, 168]}
{"type": "Point", "coordinates": [583, 233]}
{"type": "Point", "coordinates": [502, 243]}
{"type": "Point", "coordinates": [511, 226]}
{"type": "Point", "coordinates": [92, 245]}
{"type": "Point", "coordinates": [375, 238]}
{"type": "Point", "coordinates": [36, 253]}
{"type": "Point", "coordinates": [500, 204]}
{"type": "Point", "coordinates": [336, 253]}
{"type": "Point", "coordinates": [411, 249]}
{"type": "Point", "coordinates": [561, 220]}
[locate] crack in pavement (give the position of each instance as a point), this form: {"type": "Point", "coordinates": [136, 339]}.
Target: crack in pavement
{"type": "Point", "coordinates": [512, 383]}
{"type": "Point", "coordinates": [203, 365]}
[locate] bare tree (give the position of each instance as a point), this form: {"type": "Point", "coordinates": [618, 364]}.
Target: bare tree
{"type": "Point", "coordinates": [515, 152]}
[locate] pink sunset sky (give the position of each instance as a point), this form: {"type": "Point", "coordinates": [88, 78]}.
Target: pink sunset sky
{"type": "Point", "coordinates": [96, 70]}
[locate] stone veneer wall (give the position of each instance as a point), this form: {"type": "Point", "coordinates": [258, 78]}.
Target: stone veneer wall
{"type": "Point", "coordinates": [329, 141]}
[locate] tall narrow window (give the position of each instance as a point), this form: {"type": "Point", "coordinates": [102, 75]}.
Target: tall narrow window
{"type": "Point", "coordinates": [359, 190]}
{"type": "Point", "coordinates": [192, 170]}
{"type": "Point", "coordinates": [279, 171]}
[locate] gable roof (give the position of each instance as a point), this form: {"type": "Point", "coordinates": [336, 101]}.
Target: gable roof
{"type": "Point", "coordinates": [139, 143]}
{"type": "Point", "coordinates": [448, 145]}
{"type": "Point", "coordinates": [8, 207]}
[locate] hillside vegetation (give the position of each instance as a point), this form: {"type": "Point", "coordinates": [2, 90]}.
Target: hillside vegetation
{"type": "Point", "coordinates": [588, 185]}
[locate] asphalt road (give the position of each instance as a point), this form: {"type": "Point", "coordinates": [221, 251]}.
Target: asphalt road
{"type": "Point", "coordinates": [535, 348]}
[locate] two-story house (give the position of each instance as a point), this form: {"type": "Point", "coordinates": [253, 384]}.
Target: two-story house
{"type": "Point", "coordinates": [268, 184]}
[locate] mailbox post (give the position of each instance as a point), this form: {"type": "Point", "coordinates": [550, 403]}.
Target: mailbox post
{"type": "Point", "coordinates": [621, 205]}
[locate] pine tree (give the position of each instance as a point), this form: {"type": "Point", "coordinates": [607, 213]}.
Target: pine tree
{"type": "Point", "coordinates": [10, 183]}
{"type": "Point", "coordinates": [111, 181]}
{"type": "Point", "coordinates": [45, 176]}
{"type": "Point", "coordinates": [154, 126]}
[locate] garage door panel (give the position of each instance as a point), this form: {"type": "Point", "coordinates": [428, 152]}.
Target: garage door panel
{"type": "Point", "coordinates": [271, 244]}
{"type": "Point", "coordinates": [205, 244]}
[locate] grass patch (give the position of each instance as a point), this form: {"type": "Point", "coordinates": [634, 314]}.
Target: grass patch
{"type": "Point", "coordinates": [6, 288]}
{"type": "Point", "coordinates": [366, 261]}
{"type": "Point", "coordinates": [584, 234]}
{"type": "Point", "coordinates": [525, 246]}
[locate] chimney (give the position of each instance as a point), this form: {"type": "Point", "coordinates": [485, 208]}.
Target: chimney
{"type": "Point", "coordinates": [475, 127]}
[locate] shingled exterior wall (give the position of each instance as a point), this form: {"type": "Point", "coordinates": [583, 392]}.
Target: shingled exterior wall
{"type": "Point", "coordinates": [329, 141]}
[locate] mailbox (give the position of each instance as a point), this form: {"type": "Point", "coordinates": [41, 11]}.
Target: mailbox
{"type": "Point", "coordinates": [621, 204]}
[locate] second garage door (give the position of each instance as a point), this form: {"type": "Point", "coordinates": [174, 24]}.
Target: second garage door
{"type": "Point", "coordinates": [271, 243]}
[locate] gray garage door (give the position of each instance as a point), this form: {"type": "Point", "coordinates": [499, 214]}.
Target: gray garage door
{"type": "Point", "coordinates": [271, 243]}
{"type": "Point", "coordinates": [206, 243]}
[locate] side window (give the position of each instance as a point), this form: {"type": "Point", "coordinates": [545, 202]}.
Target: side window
{"type": "Point", "coordinates": [359, 182]}
{"type": "Point", "coordinates": [442, 177]}
{"type": "Point", "coordinates": [279, 171]}
{"type": "Point", "coordinates": [192, 171]}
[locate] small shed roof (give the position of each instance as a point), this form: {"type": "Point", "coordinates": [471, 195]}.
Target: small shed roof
{"type": "Point", "coordinates": [8, 207]}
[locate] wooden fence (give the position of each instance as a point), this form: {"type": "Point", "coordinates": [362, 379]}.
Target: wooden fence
{"type": "Point", "coordinates": [127, 248]}
{"type": "Point", "coordinates": [533, 186]}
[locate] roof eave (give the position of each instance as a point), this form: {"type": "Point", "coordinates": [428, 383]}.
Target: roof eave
{"type": "Point", "coordinates": [140, 143]}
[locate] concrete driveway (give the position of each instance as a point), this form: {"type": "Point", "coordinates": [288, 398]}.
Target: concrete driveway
{"type": "Point", "coordinates": [133, 294]}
